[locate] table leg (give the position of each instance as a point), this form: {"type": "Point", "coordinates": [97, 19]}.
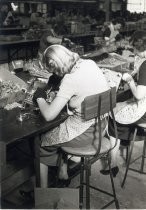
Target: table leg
{"type": "Point", "coordinates": [2, 161]}
{"type": "Point", "coordinates": [37, 160]}
{"type": "Point", "coordinates": [2, 153]}
{"type": "Point", "coordinates": [9, 55]}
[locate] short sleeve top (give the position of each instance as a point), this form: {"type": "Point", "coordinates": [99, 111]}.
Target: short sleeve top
{"type": "Point", "coordinates": [142, 74]}
{"type": "Point", "coordinates": [85, 79]}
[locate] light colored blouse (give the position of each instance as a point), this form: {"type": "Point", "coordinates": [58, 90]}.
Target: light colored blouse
{"type": "Point", "coordinates": [84, 79]}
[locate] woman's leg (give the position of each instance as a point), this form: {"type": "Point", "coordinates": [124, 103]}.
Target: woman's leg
{"type": "Point", "coordinates": [44, 175]}
{"type": "Point", "coordinates": [77, 142]}
{"type": "Point", "coordinates": [124, 133]}
{"type": "Point", "coordinates": [48, 157]}
{"type": "Point", "coordinates": [63, 170]}
{"type": "Point", "coordinates": [114, 152]}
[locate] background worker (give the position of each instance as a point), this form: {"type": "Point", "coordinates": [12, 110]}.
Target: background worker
{"type": "Point", "coordinates": [133, 111]}
{"type": "Point", "coordinates": [111, 31]}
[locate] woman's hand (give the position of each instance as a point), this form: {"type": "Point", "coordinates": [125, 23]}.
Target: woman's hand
{"type": "Point", "coordinates": [127, 77]}
{"type": "Point", "coordinates": [39, 93]}
{"type": "Point", "coordinates": [138, 91]}
{"type": "Point", "coordinates": [51, 111]}
{"type": "Point", "coordinates": [54, 82]}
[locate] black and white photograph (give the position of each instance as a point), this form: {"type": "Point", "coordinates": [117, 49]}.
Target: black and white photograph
{"type": "Point", "coordinates": [72, 104]}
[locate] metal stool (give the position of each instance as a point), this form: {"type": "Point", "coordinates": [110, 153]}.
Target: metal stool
{"type": "Point", "coordinates": [143, 155]}
{"type": "Point", "coordinates": [95, 106]}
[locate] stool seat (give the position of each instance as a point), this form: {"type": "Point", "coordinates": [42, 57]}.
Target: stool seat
{"type": "Point", "coordinates": [79, 149]}
{"type": "Point", "coordinates": [142, 125]}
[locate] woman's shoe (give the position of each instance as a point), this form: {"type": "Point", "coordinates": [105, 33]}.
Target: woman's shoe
{"type": "Point", "coordinates": [114, 171]}
{"type": "Point", "coordinates": [27, 195]}
{"type": "Point", "coordinates": [63, 183]}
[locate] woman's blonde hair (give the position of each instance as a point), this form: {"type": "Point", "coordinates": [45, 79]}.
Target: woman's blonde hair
{"type": "Point", "coordinates": [60, 58]}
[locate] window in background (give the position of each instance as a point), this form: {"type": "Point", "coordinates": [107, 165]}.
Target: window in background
{"type": "Point", "coordinates": [21, 7]}
{"type": "Point", "coordinates": [115, 6]}
{"type": "Point", "coordinates": [136, 5]}
{"type": "Point", "coordinates": [39, 8]}
{"type": "Point", "coordinates": [42, 8]}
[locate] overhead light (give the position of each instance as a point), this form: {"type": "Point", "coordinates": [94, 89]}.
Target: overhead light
{"type": "Point", "coordinates": [14, 7]}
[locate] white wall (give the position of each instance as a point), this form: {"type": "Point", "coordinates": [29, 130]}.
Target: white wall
{"type": "Point", "coordinates": [136, 5]}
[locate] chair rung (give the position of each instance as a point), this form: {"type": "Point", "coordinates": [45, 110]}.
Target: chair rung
{"type": "Point", "coordinates": [108, 204]}
{"type": "Point", "coordinates": [138, 171]}
{"type": "Point", "coordinates": [135, 159]}
{"type": "Point", "coordinates": [98, 189]}
{"type": "Point", "coordinates": [94, 159]}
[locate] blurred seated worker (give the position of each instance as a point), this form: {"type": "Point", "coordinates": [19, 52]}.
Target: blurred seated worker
{"type": "Point", "coordinates": [51, 37]}
{"type": "Point", "coordinates": [134, 110]}
{"type": "Point", "coordinates": [80, 78]}
{"type": "Point", "coordinates": [128, 50]}
{"type": "Point", "coordinates": [12, 15]}
{"type": "Point", "coordinates": [3, 13]}
{"type": "Point", "coordinates": [6, 16]}
{"type": "Point", "coordinates": [111, 31]}
{"type": "Point", "coordinates": [34, 18]}
{"type": "Point", "coordinates": [9, 19]}
{"type": "Point", "coordinates": [138, 37]}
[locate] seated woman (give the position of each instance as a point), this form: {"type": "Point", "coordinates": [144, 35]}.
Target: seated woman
{"type": "Point", "coordinates": [51, 36]}
{"type": "Point", "coordinates": [111, 31]}
{"type": "Point", "coordinates": [125, 119]}
{"type": "Point", "coordinates": [81, 78]}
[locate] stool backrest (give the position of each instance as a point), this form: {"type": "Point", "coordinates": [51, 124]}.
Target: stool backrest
{"type": "Point", "coordinates": [99, 106]}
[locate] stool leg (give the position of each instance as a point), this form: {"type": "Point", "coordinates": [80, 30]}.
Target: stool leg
{"type": "Point", "coordinates": [129, 158]}
{"type": "Point", "coordinates": [143, 157]}
{"type": "Point", "coordinates": [81, 183]}
{"type": "Point", "coordinates": [88, 172]}
{"type": "Point", "coordinates": [37, 160]}
{"type": "Point", "coordinates": [127, 152]}
{"type": "Point", "coordinates": [113, 186]}
{"type": "Point", "coordinates": [58, 169]}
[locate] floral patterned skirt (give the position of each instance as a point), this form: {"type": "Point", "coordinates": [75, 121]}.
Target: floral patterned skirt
{"type": "Point", "coordinates": [72, 127]}
{"type": "Point", "coordinates": [49, 154]}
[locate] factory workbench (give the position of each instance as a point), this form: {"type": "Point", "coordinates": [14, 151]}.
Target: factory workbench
{"type": "Point", "coordinates": [12, 30]}
{"type": "Point", "coordinates": [18, 126]}
{"type": "Point", "coordinates": [13, 49]}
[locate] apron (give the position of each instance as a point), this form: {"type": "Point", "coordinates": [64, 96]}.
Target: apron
{"type": "Point", "coordinates": [72, 127]}
{"type": "Point", "coordinates": [132, 110]}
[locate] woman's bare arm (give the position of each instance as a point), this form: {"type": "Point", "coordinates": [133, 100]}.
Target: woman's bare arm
{"type": "Point", "coordinates": [51, 111]}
